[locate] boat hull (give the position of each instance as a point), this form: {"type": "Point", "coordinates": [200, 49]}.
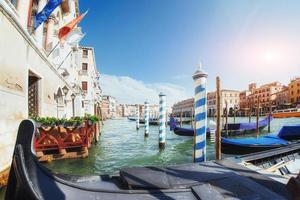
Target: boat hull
{"type": "Point", "coordinates": [286, 115]}
{"type": "Point", "coordinates": [29, 180]}
{"type": "Point", "coordinates": [245, 149]}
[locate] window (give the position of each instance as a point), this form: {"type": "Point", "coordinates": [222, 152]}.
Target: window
{"type": "Point", "coordinates": [85, 53]}
{"type": "Point", "coordinates": [84, 66]}
{"type": "Point", "coordinates": [14, 2]}
{"type": "Point", "coordinates": [32, 12]}
{"type": "Point", "coordinates": [84, 85]}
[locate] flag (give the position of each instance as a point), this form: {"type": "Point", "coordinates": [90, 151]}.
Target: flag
{"type": "Point", "coordinates": [97, 75]}
{"type": "Point", "coordinates": [65, 30]}
{"type": "Point", "coordinates": [74, 37]}
{"type": "Point", "coordinates": [46, 12]}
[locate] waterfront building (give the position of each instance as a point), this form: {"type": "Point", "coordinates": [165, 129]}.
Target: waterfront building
{"type": "Point", "coordinates": [244, 103]}
{"type": "Point", "coordinates": [153, 111]}
{"type": "Point", "coordinates": [130, 110]}
{"type": "Point", "coordinates": [120, 110]}
{"type": "Point", "coordinates": [294, 91]}
{"type": "Point", "coordinates": [109, 107]}
{"type": "Point", "coordinates": [39, 76]}
{"type": "Point", "coordinates": [282, 98]}
{"type": "Point", "coordinates": [88, 78]}
{"type": "Point", "coordinates": [265, 94]}
{"type": "Point", "coordinates": [231, 97]}
{"type": "Point", "coordinates": [184, 108]}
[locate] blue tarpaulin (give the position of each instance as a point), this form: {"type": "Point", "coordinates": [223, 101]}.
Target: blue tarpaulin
{"type": "Point", "coordinates": [266, 140]}
{"type": "Point", "coordinates": [46, 12]}
{"type": "Point", "coordinates": [291, 131]}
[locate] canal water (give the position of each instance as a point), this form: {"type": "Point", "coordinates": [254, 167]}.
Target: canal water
{"type": "Point", "coordinates": [122, 146]}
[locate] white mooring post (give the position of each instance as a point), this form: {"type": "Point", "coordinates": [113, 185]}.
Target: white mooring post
{"type": "Point", "coordinates": [137, 113]}
{"type": "Point", "coordinates": [200, 78]}
{"type": "Point", "coordinates": [162, 120]}
{"type": "Point", "coordinates": [146, 109]}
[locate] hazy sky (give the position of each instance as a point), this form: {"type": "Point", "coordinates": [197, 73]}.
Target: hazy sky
{"type": "Point", "coordinates": [146, 46]}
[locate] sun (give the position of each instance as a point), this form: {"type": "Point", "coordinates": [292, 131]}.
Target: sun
{"type": "Point", "coordinates": [271, 56]}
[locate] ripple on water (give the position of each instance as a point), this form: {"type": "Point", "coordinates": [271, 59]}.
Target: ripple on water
{"type": "Point", "coordinates": [121, 145]}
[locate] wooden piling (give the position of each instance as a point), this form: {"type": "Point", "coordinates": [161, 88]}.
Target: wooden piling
{"type": "Point", "coordinates": [192, 111]}
{"type": "Point", "coordinates": [226, 118]}
{"type": "Point", "coordinates": [257, 117]}
{"type": "Point", "coordinates": [250, 111]}
{"type": "Point", "coordinates": [218, 131]}
{"type": "Point", "coordinates": [181, 118]}
{"type": "Point", "coordinates": [234, 114]}
{"type": "Point", "coordinates": [269, 118]}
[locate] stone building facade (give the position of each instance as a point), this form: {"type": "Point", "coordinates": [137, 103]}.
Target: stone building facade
{"type": "Point", "coordinates": [38, 76]}
{"type": "Point", "coordinates": [265, 94]}
{"type": "Point", "coordinates": [231, 97]}
{"type": "Point", "coordinates": [184, 108]}
{"type": "Point", "coordinates": [294, 91]}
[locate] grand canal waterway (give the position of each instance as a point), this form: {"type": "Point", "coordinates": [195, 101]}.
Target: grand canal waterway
{"type": "Point", "coordinates": [121, 146]}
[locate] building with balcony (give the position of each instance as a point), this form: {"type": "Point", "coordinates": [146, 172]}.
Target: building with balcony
{"type": "Point", "coordinates": [183, 108]}
{"type": "Point", "coordinates": [265, 94]}
{"type": "Point", "coordinates": [109, 107]}
{"type": "Point", "coordinates": [244, 103]}
{"type": "Point", "coordinates": [282, 98]}
{"type": "Point", "coordinates": [294, 91]}
{"type": "Point", "coordinates": [229, 97]}
{"type": "Point", "coordinates": [39, 76]}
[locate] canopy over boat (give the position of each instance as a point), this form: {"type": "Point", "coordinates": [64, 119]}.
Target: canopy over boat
{"type": "Point", "coordinates": [28, 179]}
{"type": "Point", "coordinates": [242, 128]}
{"type": "Point", "coordinates": [250, 145]}
{"type": "Point", "coordinates": [291, 132]}
{"type": "Point", "coordinates": [183, 131]}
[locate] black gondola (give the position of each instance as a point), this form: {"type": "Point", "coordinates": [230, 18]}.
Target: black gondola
{"type": "Point", "coordinates": [29, 180]}
{"type": "Point", "coordinates": [234, 129]}
{"type": "Point", "coordinates": [239, 146]}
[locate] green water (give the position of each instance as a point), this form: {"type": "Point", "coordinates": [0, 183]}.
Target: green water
{"type": "Point", "coordinates": [122, 146]}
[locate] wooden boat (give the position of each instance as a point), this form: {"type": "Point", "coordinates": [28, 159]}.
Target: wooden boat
{"type": "Point", "coordinates": [29, 180]}
{"type": "Point", "coordinates": [294, 112]}
{"type": "Point", "coordinates": [131, 118]}
{"type": "Point", "coordinates": [190, 132]}
{"type": "Point", "coordinates": [152, 121]}
{"type": "Point", "coordinates": [245, 128]}
{"type": "Point", "coordinates": [250, 145]}
{"type": "Point", "coordinates": [239, 146]}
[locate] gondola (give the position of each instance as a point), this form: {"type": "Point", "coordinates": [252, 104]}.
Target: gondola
{"type": "Point", "coordinates": [184, 131]}
{"type": "Point", "coordinates": [240, 146]}
{"type": "Point", "coordinates": [29, 180]}
{"type": "Point", "coordinates": [131, 118]}
{"type": "Point", "coordinates": [234, 129]}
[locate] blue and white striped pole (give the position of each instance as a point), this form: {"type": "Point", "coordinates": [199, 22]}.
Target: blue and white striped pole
{"type": "Point", "coordinates": [162, 120]}
{"type": "Point", "coordinates": [200, 78]}
{"type": "Point", "coordinates": [137, 113]}
{"type": "Point", "coordinates": [146, 108]}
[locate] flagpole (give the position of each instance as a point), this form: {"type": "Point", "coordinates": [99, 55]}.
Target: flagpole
{"type": "Point", "coordinates": [53, 49]}
{"type": "Point", "coordinates": [64, 60]}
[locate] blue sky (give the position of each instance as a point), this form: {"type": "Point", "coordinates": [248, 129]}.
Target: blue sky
{"type": "Point", "coordinates": [158, 43]}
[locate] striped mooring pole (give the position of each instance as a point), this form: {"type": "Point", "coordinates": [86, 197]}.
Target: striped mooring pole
{"type": "Point", "coordinates": [162, 120]}
{"type": "Point", "coordinates": [137, 113]}
{"type": "Point", "coordinates": [200, 78]}
{"type": "Point", "coordinates": [146, 109]}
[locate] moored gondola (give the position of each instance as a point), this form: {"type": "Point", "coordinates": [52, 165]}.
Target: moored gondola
{"type": "Point", "coordinates": [239, 146]}
{"type": "Point", "coordinates": [28, 179]}
{"type": "Point", "coordinates": [234, 129]}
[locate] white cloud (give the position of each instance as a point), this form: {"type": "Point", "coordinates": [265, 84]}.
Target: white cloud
{"type": "Point", "coordinates": [132, 91]}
